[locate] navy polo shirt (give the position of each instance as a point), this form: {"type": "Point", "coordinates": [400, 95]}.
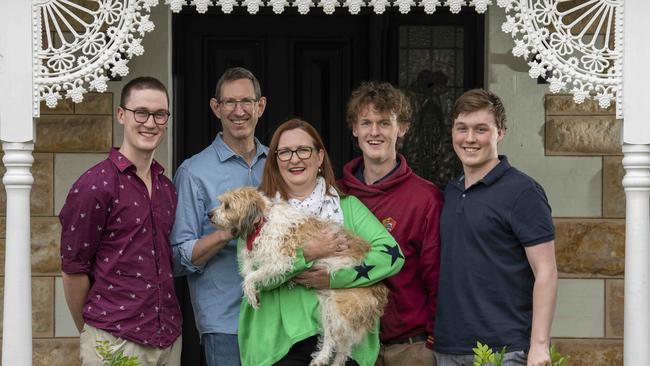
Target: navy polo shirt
{"type": "Point", "coordinates": [486, 283]}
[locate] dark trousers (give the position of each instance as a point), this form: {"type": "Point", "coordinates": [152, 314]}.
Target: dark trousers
{"type": "Point", "coordinates": [300, 354]}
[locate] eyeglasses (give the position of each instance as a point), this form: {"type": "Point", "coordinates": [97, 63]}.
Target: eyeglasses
{"type": "Point", "coordinates": [142, 115]}
{"type": "Point", "coordinates": [303, 152]}
{"type": "Point", "coordinates": [246, 103]}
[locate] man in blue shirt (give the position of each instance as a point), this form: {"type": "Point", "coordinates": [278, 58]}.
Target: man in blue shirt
{"type": "Point", "coordinates": [205, 255]}
{"type": "Point", "coordinates": [498, 278]}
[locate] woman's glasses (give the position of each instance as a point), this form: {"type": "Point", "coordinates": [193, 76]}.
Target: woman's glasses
{"type": "Point", "coordinates": [303, 152]}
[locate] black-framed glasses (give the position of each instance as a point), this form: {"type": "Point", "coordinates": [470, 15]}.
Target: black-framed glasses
{"type": "Point", "coordinates": [246, 103]}
{"type": "Point", "coordinates": [303, 152]}
{"type": "Point", "coordinates": [142, 115]}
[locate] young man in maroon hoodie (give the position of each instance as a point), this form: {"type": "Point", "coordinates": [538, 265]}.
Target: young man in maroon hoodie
{"type": "Point", "coordinates": [378, 115]}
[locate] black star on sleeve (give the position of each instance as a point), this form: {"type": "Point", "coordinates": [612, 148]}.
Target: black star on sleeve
{"type": "Point", "coordinates": [362, 271]}
{"type": "Point", "coordinates": [393, 252]}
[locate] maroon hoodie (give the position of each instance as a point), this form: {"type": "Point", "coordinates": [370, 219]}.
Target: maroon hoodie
{"type": "Point", "coordinates": [409, 207]}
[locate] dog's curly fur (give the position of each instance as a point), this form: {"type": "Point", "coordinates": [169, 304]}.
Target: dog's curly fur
{"type": "Point", "coordinates": [347, 315]}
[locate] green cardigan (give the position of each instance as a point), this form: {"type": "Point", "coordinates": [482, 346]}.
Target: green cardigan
{"type": "Point", "coordinates": [289, 315]}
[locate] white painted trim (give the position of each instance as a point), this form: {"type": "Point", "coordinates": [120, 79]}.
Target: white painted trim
{"type": "Point", "coordinates": [16, 85]}
{"type": "Point", "coordinates": [637, 254]}
{"type": "Point", "coordinates": [17, 317]}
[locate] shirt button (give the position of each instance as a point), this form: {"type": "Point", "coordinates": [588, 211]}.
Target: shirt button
{"type": "Point", "coordinates": [464, 195]}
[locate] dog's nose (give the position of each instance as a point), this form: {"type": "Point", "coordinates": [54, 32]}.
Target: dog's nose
{"type": "Point", "coordinates": [210, 215]}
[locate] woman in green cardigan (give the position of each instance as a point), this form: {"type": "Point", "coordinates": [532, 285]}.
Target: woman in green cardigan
{"type": "Point", "coordinates": [284, 330]}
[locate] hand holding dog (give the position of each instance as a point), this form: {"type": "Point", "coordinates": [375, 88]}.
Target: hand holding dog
{"type": "Point", "coordinates": [317, 277]}
{"type": "Point", "coordinates": [329, 243]}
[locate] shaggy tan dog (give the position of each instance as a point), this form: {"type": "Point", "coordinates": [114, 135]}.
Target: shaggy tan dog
{"type": "Point", "coordinates": [274, 232]}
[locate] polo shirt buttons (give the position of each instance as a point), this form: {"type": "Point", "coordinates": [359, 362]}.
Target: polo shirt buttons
{"type": "Point", "coordinates": [464, 195]}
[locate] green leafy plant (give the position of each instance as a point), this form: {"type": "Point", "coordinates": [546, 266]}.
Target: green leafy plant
{"type": "Point", "coordinates": [111, 357]}
{"type": "Point", "coordinates": [484, 356]}
{"type": "Point", "coordinates": [557, 359]}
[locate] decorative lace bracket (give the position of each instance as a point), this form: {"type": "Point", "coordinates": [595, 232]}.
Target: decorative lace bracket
{"type": "Point", "coordinates": [576, 46]}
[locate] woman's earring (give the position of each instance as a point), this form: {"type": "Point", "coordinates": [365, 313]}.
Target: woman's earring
{"type": "Point", "coordinates": [320, 170]}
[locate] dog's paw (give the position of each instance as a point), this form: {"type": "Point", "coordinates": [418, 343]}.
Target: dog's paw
{"type": "Point", "coordinates": [254, 301]}
{"type": "Point", "coordinates": [251, 294]}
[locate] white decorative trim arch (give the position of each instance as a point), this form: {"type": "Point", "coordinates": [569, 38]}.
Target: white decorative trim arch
{"type": "Point", "coordinates": [78, 54]}
{"type": "Point", "coordinates": [569, 41]}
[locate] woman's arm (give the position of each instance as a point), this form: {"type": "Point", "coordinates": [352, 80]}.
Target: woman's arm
{"type": "Point", "coordinates": [385, 258]}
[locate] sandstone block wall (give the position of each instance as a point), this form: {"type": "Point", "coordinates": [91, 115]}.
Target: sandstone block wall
{"type": "Point", "coordinates": [590, 251]}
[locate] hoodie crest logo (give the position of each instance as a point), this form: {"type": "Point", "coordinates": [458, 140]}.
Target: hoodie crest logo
{"type": "Point", "coordinates": [389, 223]}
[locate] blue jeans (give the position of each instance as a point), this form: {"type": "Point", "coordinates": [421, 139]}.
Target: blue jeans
{"type": "Point", "coordinates": [221, 349]}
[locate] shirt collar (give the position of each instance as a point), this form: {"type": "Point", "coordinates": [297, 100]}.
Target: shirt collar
{"type": "Point", "coordinates": [123, 163]}
{"type": "Point", "coordinates": [496, 172]}
{"type": "Point", "coordinates": [492, 176]}
{"type": "Point", "coordinates": [225, 152]}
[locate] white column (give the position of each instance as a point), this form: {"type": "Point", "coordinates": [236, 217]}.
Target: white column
{"type": "Point", "coordinates": [17, 135]}
{"type": "Point", "coordinates": [17, 327]}
{"type": "Point", "coordinates": [637, 254]}
{"type": "Point", "coordinates": [636, 161]}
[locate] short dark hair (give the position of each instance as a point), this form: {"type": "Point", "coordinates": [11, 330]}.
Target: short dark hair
{"type": "Point", "coordinates": [478, 99]}
{"type": "Point", "coordinates": [139, 83]}
{"type": "Point", "coordinates": [383, 96]}
{"type": "Point", "coordinates": [237, 73]}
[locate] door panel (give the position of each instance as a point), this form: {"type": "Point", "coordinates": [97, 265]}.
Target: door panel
{"type": "Point", "coordinates": [321, 88]}
{"type": "Point", "coordinates": [305, 71]}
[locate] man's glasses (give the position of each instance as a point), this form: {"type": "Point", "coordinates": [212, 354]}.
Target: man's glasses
{"type": "Point", "coordinates": [303, 152]}
{"type": "Point", "coordinates": [142, 115]}
{"type": "Point", "coordinates": [246, 103]}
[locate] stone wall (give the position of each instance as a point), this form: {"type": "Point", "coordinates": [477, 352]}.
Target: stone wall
{"type": "Point", "coordinates": [69, 140]}
{"type": "Point", "coordinates": [590, 251]}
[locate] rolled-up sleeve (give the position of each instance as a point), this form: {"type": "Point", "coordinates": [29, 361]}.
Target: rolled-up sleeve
{"type": "Point", "coordinates": [187, 227]}
{"type": "Point", "coordinates": [83, 219]}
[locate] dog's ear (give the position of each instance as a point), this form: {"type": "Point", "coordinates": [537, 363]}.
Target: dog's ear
{"type": "Point", "coordinates": [254, 212]}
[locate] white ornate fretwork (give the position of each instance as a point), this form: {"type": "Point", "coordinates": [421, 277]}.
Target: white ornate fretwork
{"type": "Point", "coordinates": [83, 43]}
{"type": "Point", "coordinates": [577, 45]}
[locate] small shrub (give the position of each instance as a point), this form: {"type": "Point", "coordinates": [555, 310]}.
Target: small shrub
{"type": "Point", "coordinates": [112, 357]}
{"type": "Point", "coordinates": [484, 356]}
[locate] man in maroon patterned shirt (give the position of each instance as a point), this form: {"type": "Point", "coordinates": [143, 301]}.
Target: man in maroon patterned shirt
{"type": "Point", "coordinates": [115, 252]}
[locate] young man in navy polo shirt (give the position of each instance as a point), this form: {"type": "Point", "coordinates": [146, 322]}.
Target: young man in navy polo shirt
{"type": "Point", "coordinates": [498, 278]}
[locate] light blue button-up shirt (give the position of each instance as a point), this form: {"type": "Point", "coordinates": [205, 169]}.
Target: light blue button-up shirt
{"type": "Point", "coordinates": [215, 288]}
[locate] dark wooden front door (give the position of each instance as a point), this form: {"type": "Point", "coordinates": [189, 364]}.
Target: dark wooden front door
{"type": "Point", "coordinates": [307, 66]}
{"type": "Point", "coordinates": [305, 70]}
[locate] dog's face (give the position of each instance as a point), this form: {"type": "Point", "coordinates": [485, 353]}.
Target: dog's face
{"type": "Point", "coordinates": [240, 209]}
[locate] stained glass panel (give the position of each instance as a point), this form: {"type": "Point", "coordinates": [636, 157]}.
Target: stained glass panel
{"type": "Point", "coordinates": [431, 73]}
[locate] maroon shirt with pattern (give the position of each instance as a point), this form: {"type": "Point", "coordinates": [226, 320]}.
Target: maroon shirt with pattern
{"type": "Point", "coordinates": [113, 231]}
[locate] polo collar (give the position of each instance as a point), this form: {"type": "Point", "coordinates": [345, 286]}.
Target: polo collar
{"type": "Point", "coordinates": [490, 178]}
{"type": "Point", "coordinates": [496, 172]}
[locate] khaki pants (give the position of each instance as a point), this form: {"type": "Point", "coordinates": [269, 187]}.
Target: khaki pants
{"type": "Point", "coordinates": [147, 356]}
{"type": "Point", "coordinates": [411, 354]}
